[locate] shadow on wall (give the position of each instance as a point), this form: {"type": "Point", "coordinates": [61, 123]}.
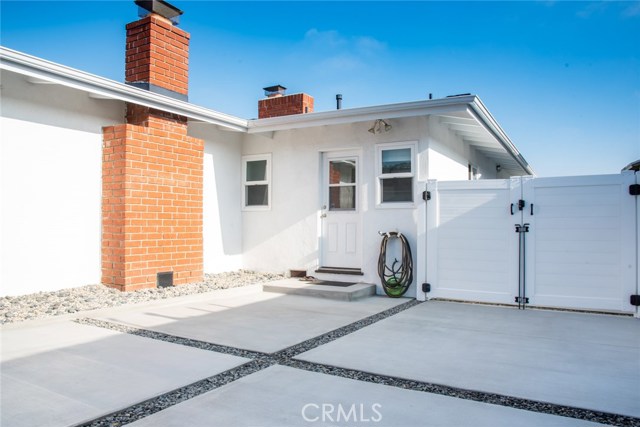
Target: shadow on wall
{"type": "Point", "coordinates": [222, 220]}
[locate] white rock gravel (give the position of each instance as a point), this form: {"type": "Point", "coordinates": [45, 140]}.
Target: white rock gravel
{"type": "Point", "coordinates": [91, 297]}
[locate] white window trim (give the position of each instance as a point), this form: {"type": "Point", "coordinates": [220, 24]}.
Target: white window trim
{"type": "Point", "coordinates": [251, 158]}
{"type": "Point", "coordinates": [379, 175]}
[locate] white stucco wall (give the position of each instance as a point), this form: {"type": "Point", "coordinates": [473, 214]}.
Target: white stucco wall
{"type": "Point", "coordinates": [287, 236]}
{"type": "Point", "coordinates": [449, 156]}
{"type": "Point", "coordinates": [222, 199]}
{"type": "Point", "coordinates": [50, 185]}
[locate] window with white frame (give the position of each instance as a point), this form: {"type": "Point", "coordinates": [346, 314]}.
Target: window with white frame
{"type": "Point", "coordinates": [256, 182]}
{"type": "Point", "coordinates": [395, 171]}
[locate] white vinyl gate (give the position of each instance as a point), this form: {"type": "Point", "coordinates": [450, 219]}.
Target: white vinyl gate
{"type": "Point", "coordinates": [579, 250]}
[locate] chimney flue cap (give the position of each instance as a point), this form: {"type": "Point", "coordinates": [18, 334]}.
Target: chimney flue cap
{"type": "Point", "coordinates": [273, 91]}
{"type": "Point", "coordinates": [161, 8]}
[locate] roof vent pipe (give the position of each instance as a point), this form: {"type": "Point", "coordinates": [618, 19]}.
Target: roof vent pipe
{"type": "Point", "coordinates": [430, 96]}
{"type": "Point", "coordinates": [339, 101]}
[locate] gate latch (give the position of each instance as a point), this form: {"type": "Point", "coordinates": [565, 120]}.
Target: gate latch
{"type": "Point", "coordinates": [522, 228]}
{"type": "Point", "coordinates": [634, 189]}
{"type": "Point", "coordinates": [634, 300]}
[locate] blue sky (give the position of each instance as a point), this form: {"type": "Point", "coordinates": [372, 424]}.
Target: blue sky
{"type": "Point", "coordinates": [561, 77]}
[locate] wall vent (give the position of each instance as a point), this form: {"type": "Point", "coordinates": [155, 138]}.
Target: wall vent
{"type": "Point", "coordinates": [165, 279]}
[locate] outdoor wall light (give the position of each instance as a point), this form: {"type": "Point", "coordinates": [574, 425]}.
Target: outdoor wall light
{"type": "Point", "coordinates": [380, 126]}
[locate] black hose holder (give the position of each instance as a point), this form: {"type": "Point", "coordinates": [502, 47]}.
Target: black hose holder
{"type": "Point", "coordinates": [396, 278]}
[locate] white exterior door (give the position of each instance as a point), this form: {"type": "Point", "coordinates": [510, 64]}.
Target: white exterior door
{"type": "Point", "coordinates": [341, 241]}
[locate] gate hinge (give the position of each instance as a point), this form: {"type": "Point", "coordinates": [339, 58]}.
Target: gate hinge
{"type": "Point", "coordinates": [426, 195]}
{"type": "Point", "coordinates": [634, 189]}
{"type": "Point", "coordinates": [634, 300]}
{"type": "Point", "coordinates": [522, 228]}
{"type": "Point", "coordinates": [522, 300]}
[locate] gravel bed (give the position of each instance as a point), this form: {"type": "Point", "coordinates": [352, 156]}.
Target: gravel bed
{"type": "Point", "coordinates": [325, 338]}
{"type": "Point", "coordinates": [478, 396]}
{"type": "Point", "coordinates": [91, 297]}
{"type": "Point", "coordinates": [151, 406]}
{"type": "Point", "coordinates": [173, 339]}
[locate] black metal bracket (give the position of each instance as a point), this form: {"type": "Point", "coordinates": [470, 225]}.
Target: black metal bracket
{"type": "Point", "coordinates": [426, 287]}
{"type": "Point", "coordinates": [426, 195]}
{"type": "Point", "coordinates": [634, 189]}
{"type": "Point", "coordinates": [521, 299]}
{"type": "Point", "coordinates": [634, 300]}
{"type": "Point", "coordinates": [521, 204]}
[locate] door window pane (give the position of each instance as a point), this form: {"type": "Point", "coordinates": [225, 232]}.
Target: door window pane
{"type": "Point", "coordinates": [342, 171]}
{"type": "Point", "coordinates": [342, 198]}
{"type": "Point", "coordinates": [256, 170]}
{"type": "Point", "coordinates": [397, 189]}
{"type": "Point", "coordinates": [396, 160]}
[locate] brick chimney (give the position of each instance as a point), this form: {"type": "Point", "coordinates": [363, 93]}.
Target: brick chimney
{"type": "Point", "coordinates": [152, 171]}
{"type": "Point", "coordinates": [277, 103]}
{"type": "Point", "coordinates": [157, 54]}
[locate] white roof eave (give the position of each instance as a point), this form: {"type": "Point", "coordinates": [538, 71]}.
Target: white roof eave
{"type": "Point", "coordinates": [352, 115]}
{"type": "Point", "coordinates": [482, 115]}
{"type": "Point", "coordinates": [469, 104]}
{"type": "Point", "coordinates": [38, 68]}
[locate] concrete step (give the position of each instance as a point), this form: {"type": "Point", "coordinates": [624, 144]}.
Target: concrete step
{"type": "Point", "coordinates": [294, 286]}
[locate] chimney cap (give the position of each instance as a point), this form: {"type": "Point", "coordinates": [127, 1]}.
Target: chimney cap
{"type": "Point", "coordinates": [162, 8]}
{"type": "Point", "coordinates": [277, 90]}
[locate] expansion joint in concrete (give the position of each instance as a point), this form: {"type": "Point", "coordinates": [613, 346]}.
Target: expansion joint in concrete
{"type": "Point", "coordinates": [259, 361]}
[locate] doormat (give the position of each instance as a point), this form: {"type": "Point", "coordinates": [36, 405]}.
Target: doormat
{"type": "Point", "coordinates": [326, 283]}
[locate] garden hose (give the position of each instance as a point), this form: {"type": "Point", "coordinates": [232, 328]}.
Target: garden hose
{"type": "Point", "coordinates": [397, 278]}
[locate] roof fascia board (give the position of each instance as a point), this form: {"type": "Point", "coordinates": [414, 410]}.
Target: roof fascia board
{"type": "Point", "coordinates": [33, 67]}
{"type": "Point", "coordinates": [480, 113]}
{"type": "Point", "coordinates": [408, 109]}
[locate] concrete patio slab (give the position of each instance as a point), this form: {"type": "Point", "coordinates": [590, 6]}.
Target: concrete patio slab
{"type": "Point", "coordinates": [259, 321]}
{"type": "Point", "coordinates": [63, 373]}
{"type": "Point", "coordinates": [575, 359]}
{"type": "Point", "coordinates": [281, 396]}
